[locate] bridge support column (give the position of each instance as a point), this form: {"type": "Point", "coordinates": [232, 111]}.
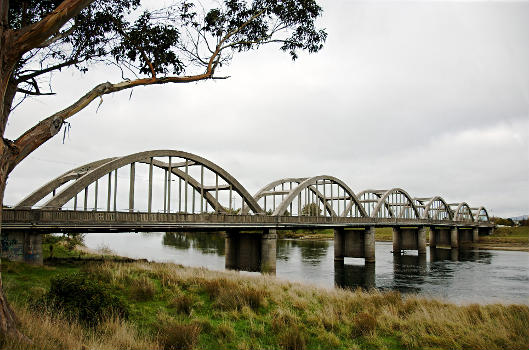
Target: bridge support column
{"type": "Point", "coordinates": [268, 251]}
{"type": "Point", "coordinates": [339, 243]}
{"type": "Point", "coordinates": [475, 235]}
{"type": "Point", "coordinates": [433, 237]}
{"type": "Point", "coordinates": [231, 250]}
{"type": "Point", "coordinates": [22, 246]}
{"type": "Point", "coordinates": [369, 244]}
{"type": "Point", "coordinates": [354, 243]}
{"type": "Point", "coordinates": [421, 240]}
{"type": "Point", "coordinates": [397, 240]}
{"type": "Point", "coordinates": [251, 251]}
{"type": "Point", "coordinates": [453, 237]}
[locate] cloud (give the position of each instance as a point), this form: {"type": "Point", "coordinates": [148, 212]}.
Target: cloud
{"type": "Point", "coordinates": [428, 96]}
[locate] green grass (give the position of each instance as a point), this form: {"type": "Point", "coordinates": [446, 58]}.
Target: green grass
{"type": "Point", "coordinates": [171, 306]}
{"type": "Point", "coordinates": [508, 235]}
{"type": "Point", "coordinates": [381, 234]}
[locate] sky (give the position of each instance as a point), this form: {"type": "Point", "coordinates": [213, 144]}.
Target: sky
{"type": "Point", "coordinates": [428, 96]}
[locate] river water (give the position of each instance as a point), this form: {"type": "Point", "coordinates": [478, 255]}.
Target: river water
{"type": "Point", "coordinates": [464, 276]}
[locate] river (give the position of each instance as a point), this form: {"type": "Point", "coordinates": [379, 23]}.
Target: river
{"type": "Point", "coordinates": [463, 276]}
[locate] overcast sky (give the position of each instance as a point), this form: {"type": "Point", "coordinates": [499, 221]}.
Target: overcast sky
{"type": "Point", "coordinates": [428, 96]}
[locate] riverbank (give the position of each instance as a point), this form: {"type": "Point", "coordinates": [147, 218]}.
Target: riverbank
{"type": "Point", "coordinates": [504, 238]}
{"type": "Point", "coordinates": [168, 306]}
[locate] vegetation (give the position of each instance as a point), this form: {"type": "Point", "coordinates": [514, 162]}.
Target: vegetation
{"type": "Point", "coordinates": [507, 237]}
{"type": "Point", "coordinates": [381, 234]}
{"type": "Point", "coordinates": [180, 43]}
{"type": "Point", "coordinates": [310, 209]}
{"type": "Point", "coordinates": [502, 221]}
{"type": "Point", "coordinates": [186, 308]}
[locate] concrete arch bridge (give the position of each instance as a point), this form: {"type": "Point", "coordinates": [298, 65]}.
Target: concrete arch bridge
{"type": "Point", "coordinates": [170, 190]}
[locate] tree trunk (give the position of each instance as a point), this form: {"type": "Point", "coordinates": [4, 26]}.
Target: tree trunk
{"type": "Point", "coordinates": [8, 321]}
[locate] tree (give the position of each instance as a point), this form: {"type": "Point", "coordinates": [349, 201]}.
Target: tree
{"type": "Point", "coordinates": [180, 43]}
{"type": "Point", "coordinates": [310, 210]}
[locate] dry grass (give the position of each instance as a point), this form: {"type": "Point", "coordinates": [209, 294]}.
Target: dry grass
{"type": "Point", "coordinates": [263, 312]}
{"type": "Point", "coordinates": [49, 330]}
{"type": "Point", "coordinates": [182, 303]}
{"type": "Point", "coordinates": [176, 335]}
{"type": "Point", "coordinates": [142, 289]}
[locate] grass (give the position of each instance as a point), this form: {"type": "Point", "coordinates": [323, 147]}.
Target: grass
{"type": "Point", "coordinates": [516, 235]}
{"type": "Point", "coordinates": [175, 307]}
{"type": "Point", "coordinates": [381, 234]}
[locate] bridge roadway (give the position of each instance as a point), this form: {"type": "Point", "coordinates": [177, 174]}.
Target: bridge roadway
{"type": "Point", "coordinates": [204, 196]}
{"type": "Point", "coordinates": [70, 221]}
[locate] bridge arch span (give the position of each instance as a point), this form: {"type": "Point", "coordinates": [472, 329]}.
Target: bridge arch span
{"type": "Point", "coordinates": [436, 208]}
{"type": "Point", "coordinates": [481, 215]}
{"type": "Point", "coordinates": [462, 212]}
{"type": "Point", "coordinates": [60, 180]}
{"type": "Point", "coordinates": [396, 203]}
{"type": "Point", "coordinates": [312, 186]}
{"type": "Point", "coordinates": [148, 157]}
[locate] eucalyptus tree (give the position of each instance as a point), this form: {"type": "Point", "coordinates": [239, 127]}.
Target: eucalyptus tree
{"type": "Point", "coordinates": [184, 42]}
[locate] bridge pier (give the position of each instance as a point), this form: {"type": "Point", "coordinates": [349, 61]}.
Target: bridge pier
{"type": "Point", "coordinates": [409, 238]}
{"type": "Point", "coordinates": [354, 243]}
{"type": "Point", "coordinates": [465, 236]}
{"type": "Point", "coordinates": [475, 235]}
{"type": "Point", "coordinates": [251, 251]}
{"type": "Point", "coordinates": [454, 235]}
{"type": "Point", "coordinates": [440, 236]}
{"type": "Point", "coordinates": [22, 246]}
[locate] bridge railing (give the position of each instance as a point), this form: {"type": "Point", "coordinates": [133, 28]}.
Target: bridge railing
{"type": "Point", "coordinates": [87, 217]}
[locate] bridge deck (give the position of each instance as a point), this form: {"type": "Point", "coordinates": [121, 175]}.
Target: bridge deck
{"type": "Point", "coordinates": [46, 221]}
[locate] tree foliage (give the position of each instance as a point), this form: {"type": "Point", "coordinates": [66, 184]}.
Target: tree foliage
{"type": "Point", "coordinates": [310, 209]}
{"type": "Point", "coordinates": [180, 43]}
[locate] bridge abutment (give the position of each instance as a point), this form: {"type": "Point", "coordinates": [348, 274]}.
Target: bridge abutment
{"type": "Point", "coordinates": [22, 247]}
{"type": "Point", "coordinates": [354, 243]}
{"type": "Point", "coordinates": [251, 251]}
{"type": "Point", "coordinates": [409, 238]}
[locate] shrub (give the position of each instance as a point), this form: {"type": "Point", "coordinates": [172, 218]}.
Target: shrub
{"type": "Point", "coordinates": [174, 335]}
{"type": "Point", "coordinates": [182, 303]}
{"type": "Point", "coordinates": [292, 339]}
{"type": "Point", "coordinates": [142, 289]}
{"type": "Point", "coordinates": [82, 297]}
{"type": "Point", "coordinates": [364, 324]}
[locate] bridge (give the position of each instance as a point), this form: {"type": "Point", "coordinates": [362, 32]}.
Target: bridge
{"type": "Point", "coordinates": [169, 190]}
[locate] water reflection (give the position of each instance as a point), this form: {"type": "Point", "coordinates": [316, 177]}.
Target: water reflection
{"type": "Point", "coordinates": [455, 275]}
{"type": "Point", "coordinates": [409, 272]}
{"type": "Point", "coordinates": [311, 251]}
{"type": "Point", "coordinates": [206, 242]}
{"type": "Point", "coordinates": [352, 276]}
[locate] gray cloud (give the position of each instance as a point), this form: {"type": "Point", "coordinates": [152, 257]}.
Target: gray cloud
{"type": "Point", "coordinates": [432, 97]}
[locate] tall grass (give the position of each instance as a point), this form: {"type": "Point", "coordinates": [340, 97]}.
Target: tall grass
{"type": "Point", "coordinates": [198, 308]}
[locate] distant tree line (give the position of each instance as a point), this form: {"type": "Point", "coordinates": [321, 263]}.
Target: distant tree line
{"type": "Point", "coordinates": [509, 221]}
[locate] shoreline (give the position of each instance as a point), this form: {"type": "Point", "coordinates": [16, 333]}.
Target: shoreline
{"type": "Point", "coordinates": [507, 246]}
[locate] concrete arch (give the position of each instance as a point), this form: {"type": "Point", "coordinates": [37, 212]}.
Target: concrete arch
{"type": "Point", "coordinates": [376, 193]}
{"type": "Point", "coordinates": [68, 193]}
{"type": "Point", "coordinates": [52, 185]}
{"type": "Point", "coordinates": [307, 184]}
{"type": "Point", "coordinates": [382, 201]}
{"type": "Point", "coordinates": [458, 213]}
{"type": "Point", "coordinates": [426, 214]}
{"type": "Point", "coordinates": [263, 192]}
{"type": "Point", "coordinates": [273, 184]}
{"type": "Point", "coordinates": [478, 214]}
